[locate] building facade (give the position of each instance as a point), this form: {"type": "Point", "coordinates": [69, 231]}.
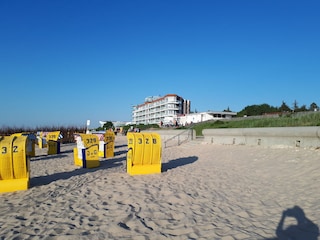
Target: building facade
{"type": "Point", "coordinates": [157, 110]}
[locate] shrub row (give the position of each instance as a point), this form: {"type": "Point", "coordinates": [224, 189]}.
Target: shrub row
{"type": "Point", "coordinates": [67, 132]}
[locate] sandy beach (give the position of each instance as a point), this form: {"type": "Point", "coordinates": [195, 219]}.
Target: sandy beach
{"type": "Point", "coordinates": [204, 192]}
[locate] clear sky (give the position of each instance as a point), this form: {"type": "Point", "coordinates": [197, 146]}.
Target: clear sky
{"type": "Point", "coordinates": [63, 62]}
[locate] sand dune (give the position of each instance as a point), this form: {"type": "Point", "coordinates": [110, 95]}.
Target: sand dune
{"type": "Point", "coordinates": [204, 192]}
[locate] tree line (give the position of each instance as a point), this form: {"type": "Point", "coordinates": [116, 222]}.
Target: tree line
{"type": "Point", "coordinates": [262, 109]}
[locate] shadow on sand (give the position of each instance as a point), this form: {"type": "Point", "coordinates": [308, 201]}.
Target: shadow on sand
{"type": "Point", "coordinates": [305, 229]}
{"type": "Point", "coordinates": [120, 146]}
{"type": "Point", "coordinates": [44, 180]}
{"type": "Point", "coordinates": [121, 152]}
{"type": "Point", "coordinates": [178, 163]}
{"type": "Point", "coordinates": [48, 157]}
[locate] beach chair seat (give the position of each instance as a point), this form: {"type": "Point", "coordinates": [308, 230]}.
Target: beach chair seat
{"type": "Point", "coordinates": [53, 142]}
{"type": "Point", "coordinates": [86, 154]}
{"type": "Point", "coordinates": [144, 153]}
{"type": "Point", "coordinates": [14, 164]}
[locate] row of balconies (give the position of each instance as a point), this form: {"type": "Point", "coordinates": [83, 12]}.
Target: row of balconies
{"type": "Point", "coordinates": [148, 121]}
{"type": "Point", "coordinates": [175, 104]}
{"type": "Point", "coordinates": [151, 117]}
{"type": "Point", "coordinates": [164, 101]}
{"type": "Point", "coordinates": [154, 110]}
{"type": "Point", "coordinates": [159, 114]}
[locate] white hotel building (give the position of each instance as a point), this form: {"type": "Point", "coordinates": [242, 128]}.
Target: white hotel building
{"type": "Point", "coordinates": [157, 109]}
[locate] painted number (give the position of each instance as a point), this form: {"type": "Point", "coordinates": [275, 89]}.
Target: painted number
{"type": "Point", "coordinates": [4, 150]}
{"type": "Point", "coordinates": [52, 137]}
{"type": "Point", "coordinates": [15, 149]}
{"type": "Point", "coordinates": [94, 152]}
{"type": "Point", "coordinates": [91, 140]}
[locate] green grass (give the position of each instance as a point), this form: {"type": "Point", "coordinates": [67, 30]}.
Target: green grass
{"type": "Point", "coordinates": [290, 120]}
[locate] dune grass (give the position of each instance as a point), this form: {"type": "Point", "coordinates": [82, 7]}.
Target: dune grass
{"type": "Point", "coordinates": [288, 120]}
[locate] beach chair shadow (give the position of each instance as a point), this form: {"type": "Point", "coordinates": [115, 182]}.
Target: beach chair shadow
{"type": "Point", "coordinates": [305, 229]}
{"type": "Point", "coordinates": [67, 151]}
{"type": "Point", "coordinates": [120, 146]}
{"type": "Point", "coordinates": [178, 163]}
{"type": "Point", "coordinates": [47, 179]}
{"type": "Point", "coordinates": [109, 161]}
{"type": "Point", "coordinates": [63, 153]}
{"type": "Point", "coordinates": [120, 152]}
{"type": "Point", "coordinates": [48, 157]}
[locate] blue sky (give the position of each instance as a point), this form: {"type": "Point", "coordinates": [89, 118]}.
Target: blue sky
{"type": "Point", "coordinates": [63, 62]}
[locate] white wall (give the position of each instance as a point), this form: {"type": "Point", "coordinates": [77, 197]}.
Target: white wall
{"type": "Point", "coordinates": [305, 137]}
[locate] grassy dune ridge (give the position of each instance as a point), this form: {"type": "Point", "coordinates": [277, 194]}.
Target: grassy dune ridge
{"type": "Point", "coordinates": [287, 120]}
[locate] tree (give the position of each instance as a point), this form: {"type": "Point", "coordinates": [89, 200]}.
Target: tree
{"type": "Point", "coordinates": [255, 110]}
{"type": "Point", "coordinates": [303, 108]}
{"type": "Point", "coordinates": [295, 106]}
{"type": "Point", "coordinates": [313, 107]}
{"type": "Point", "coordinates": [108, 125]}
{"type": "Point", "coordinates": [284, 107]}
{"type": "Point", "coordinates": [227, 110]}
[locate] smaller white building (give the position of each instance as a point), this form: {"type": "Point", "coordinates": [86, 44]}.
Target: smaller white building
{"type": "Point", "coordinates": [203, 116]}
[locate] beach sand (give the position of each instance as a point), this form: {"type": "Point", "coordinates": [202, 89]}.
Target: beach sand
{"type": "Point", "coordinates": [205, 191]}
